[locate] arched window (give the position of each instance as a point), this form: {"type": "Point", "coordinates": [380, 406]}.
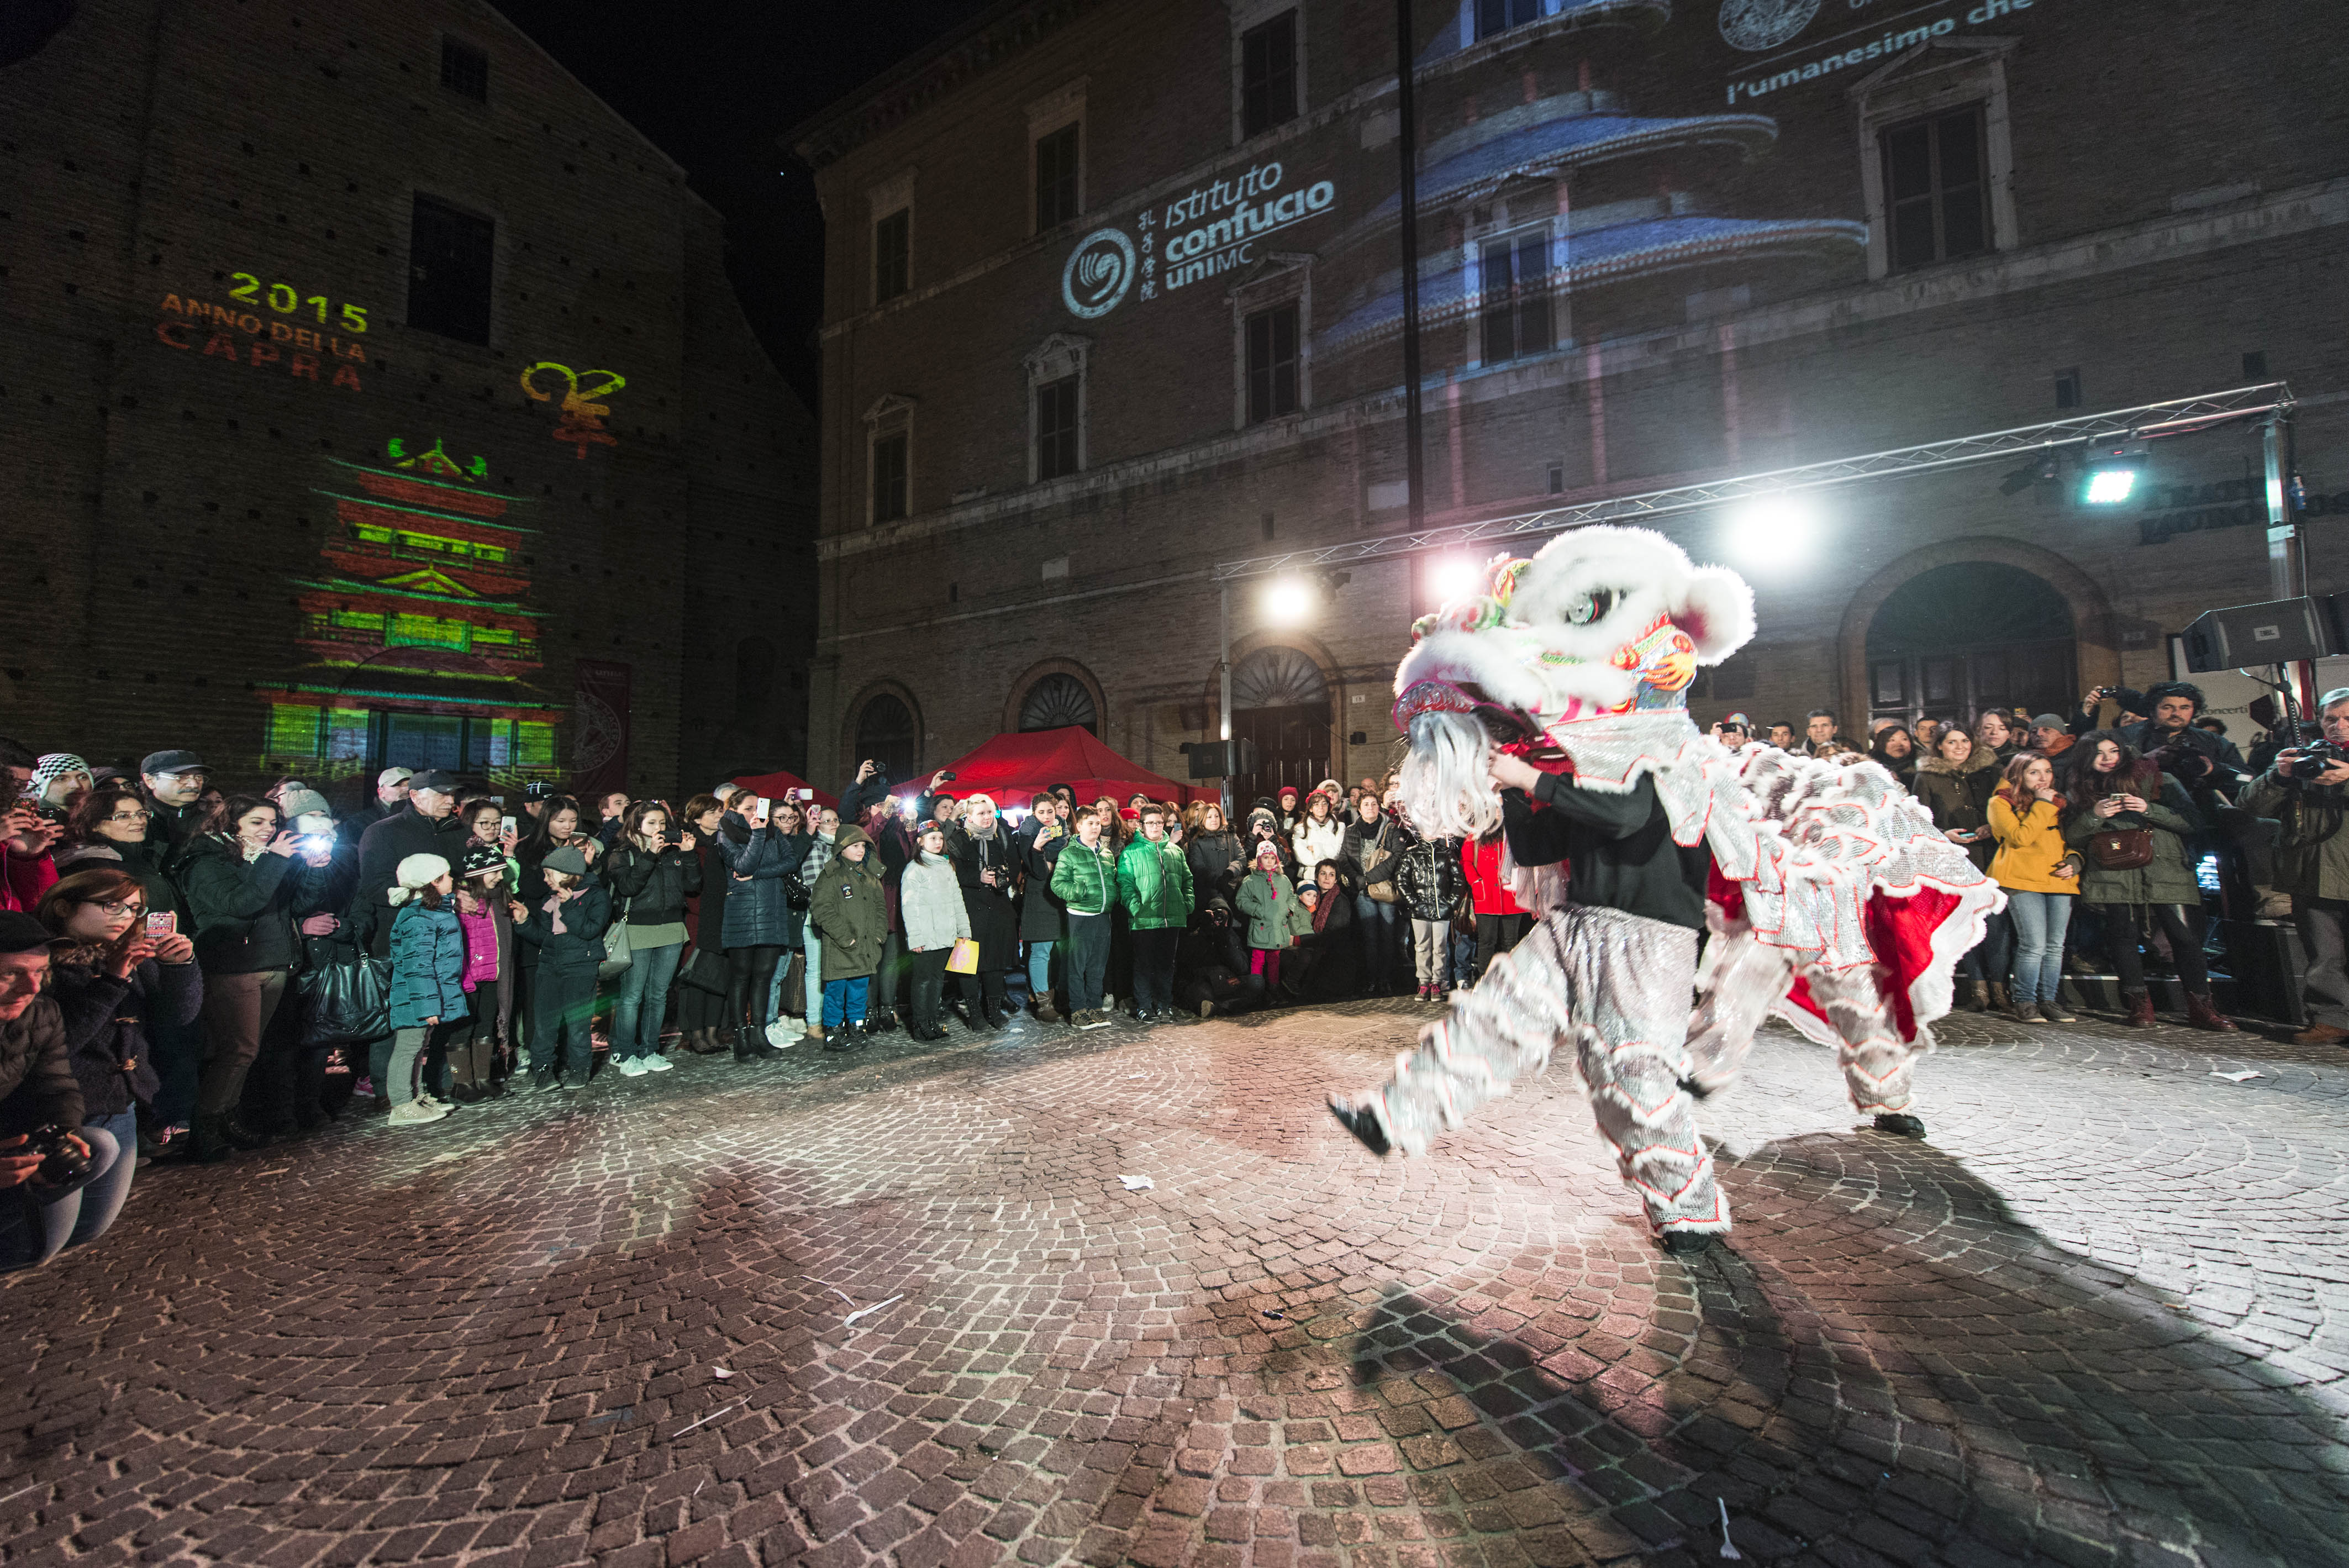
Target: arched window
{"type": "Point", "coordinates": [1277, 677]}
{"type": "Point", "coordinates": [1056, 702]}
{"type": "Point", "coordinates": [885, 733]}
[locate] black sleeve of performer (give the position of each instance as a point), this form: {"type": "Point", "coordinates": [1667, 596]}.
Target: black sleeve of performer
{"type": "Point", "coordinates": [1619, 846]}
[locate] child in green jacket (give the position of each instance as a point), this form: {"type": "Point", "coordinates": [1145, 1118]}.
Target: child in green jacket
{"type": "Point", "coordinates": [1274, 913]}
{"type": "Point", "coordinates": [1084, 878]}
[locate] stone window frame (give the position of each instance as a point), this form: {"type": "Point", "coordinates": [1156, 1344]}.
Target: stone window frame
{"type": "Point", "coordinates": [1937, 78]}
{"type": "Point", "coordinates": [1505, 216]}
{"type": "Point", "coordinates": [1246, 17]}
{"type": "Point", "coordinates": [1058, 357]}
{"type": "Point", "coordinates": [1057, 110]}
{"type": "Point", "coordinates": [891, 414]}
{"type": "Point", "coordinates": [885, 200]}
{"type": "Point", "coordinates": [1279, 279]}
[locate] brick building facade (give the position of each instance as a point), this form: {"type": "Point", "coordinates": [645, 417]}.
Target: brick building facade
{"type": "Point", "coordinates": [1113, 296]}
{"type": "Point", "coordinates": [375, 394]}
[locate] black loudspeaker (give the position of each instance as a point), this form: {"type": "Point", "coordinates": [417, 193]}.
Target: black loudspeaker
{"type": "Point", "coordinates": [2270, 970]}
{"type": "Point", "coordinates": [1221, 759]}
{"type": "Point", "coordinates": [2278, 632]}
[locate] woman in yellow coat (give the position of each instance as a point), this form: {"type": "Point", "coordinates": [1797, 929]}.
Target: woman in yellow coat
{"type": "Point", "coordinates": [2041, 875]}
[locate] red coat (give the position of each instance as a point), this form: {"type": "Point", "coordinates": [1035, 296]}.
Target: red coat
{"type": "Point", "coordinates": [23, 880]}
{"type": "Point", "coordinates": [1480, 859]}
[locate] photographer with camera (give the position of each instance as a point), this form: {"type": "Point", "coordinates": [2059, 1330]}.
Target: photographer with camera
{"type": "Point", "coordinates": [2302, 791]}
{"type": "Point", "coordinates": [44, 1164]}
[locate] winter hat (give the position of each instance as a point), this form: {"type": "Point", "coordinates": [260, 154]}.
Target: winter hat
{"type": "Point", "coordinates": [2048, 722]}
{"type": "Point", "coordinates": [482, 858]}
{"type": "Point", "coordinates": [304, 803]}
{"type": "Point", "coordinates": [417, 872]}
{"type": "Point", "coordinates": [20, 933]}
{"type": "Point", "coordinates": [50, 768]}
{"type": "Point", "coordinates": [1268, 850]}
{"type": "Point", "coordinates": [567, 861]}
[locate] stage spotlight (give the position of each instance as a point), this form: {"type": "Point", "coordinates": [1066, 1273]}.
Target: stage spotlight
{"type": "Point", "coordinates": [2113, 471]}
{"type": "Point", "coordinates": [1453, 577]}
{"type": "Point", "coordinates": [1288, 600]}
{"type": "Point", "coordinates": [1771, 529]}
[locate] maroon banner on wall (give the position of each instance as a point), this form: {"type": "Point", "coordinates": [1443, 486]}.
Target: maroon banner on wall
{"type": "Point", "coordinates": [599, 744]}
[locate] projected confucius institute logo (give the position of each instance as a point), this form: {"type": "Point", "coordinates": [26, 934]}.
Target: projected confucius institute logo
{"type": "Point", "coordinates": [1757, 24]}
{"type": "Point", "coordinates": [1099, 273]}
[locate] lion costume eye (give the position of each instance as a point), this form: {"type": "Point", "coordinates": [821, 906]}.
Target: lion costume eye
{"type": "Point", "coordinates": [1584, 609]}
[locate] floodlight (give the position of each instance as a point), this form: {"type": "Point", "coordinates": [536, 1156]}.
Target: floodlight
{"type": "Point", "coordinates": [1773, 528]}
{"type": "Point", "coordinates": [2113, 471]}
{"type": "Point", "coordinates": [1453, 577]}
{"type": "Point", "coordinates": [1288, 600]}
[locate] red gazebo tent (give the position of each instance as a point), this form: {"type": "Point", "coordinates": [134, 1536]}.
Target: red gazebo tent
{"type": "Point", "coordinates": [1012, 767]}
{"type": "Point", "coordinates": [774, 786]}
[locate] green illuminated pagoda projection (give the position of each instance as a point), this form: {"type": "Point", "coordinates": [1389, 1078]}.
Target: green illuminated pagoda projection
{"type": "Point", "coordinates": [425, 647]}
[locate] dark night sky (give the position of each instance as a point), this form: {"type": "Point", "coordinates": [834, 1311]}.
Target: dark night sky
{"type": "Point", "coordinates": [715, 84]}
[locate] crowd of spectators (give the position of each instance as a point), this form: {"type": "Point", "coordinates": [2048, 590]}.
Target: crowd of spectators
{"type": "Point", "coordinates": [186, 973]}
{"type": "Point", "coordinates": [2114, 828]}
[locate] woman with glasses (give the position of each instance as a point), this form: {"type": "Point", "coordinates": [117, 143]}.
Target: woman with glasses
{"type": "Point", "coordinates": [111, 828]}
{"type": "Point", "coordinates": [113, 983]}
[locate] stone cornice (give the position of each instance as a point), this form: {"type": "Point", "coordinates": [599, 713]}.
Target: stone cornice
{"type": "Point", "coordinates": [946, 66]}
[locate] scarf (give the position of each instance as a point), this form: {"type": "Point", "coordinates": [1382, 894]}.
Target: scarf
{"type": "Point", "coordinates": [553, 908]}
{"type": "Point", "coordinates": [1322, 907]}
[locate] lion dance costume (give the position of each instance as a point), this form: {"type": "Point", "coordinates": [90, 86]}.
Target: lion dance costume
{"type": "Point", "coordinates": [1831, 899]}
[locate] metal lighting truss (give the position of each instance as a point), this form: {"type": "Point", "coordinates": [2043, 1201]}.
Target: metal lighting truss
{"type": "Point", "coordinates": [2270, 400]}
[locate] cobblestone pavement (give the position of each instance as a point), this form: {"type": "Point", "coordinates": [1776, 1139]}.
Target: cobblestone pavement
{"type": "Point", "coordinates": [2097, 1319]}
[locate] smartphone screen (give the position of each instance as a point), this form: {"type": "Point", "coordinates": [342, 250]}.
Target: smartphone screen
{"type": "Point", "coordinates": [162, 923]}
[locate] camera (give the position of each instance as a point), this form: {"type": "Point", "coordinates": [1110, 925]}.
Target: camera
{"type": "Point", "coordinates": [49, 811]}
{"type": "Point", "coordinates": [947, 777]}
{"type": "Point", "coordinates": [61, 1159]}
{"type": "Point", "coordinates": [2314, 757]}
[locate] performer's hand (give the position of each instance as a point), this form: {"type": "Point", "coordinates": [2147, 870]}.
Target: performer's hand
{"type": "Point", "coordinates": [1511, 772]}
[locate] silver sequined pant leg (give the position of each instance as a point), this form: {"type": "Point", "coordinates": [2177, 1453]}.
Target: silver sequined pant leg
{"type": "Point", "coordinates": [1877, 1063]}
{"type": "Point", "coordinates": [1618, 986]}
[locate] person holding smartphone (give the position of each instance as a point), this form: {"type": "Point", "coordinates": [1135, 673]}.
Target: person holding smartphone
{"type": "Point", "coordinates": [2111, 789]}
{"type": "Point", "coordinates": [652, 871]}
{"type": "Point", "coordinates": [1955, 785]}
{"type": "Point", "coordinates": [114, 977]}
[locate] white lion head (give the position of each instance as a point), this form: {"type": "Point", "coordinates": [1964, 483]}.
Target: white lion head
{"type": "Point", "coordinates": [1603, 621]}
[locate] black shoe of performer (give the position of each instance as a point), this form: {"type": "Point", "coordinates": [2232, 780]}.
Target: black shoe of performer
{"type": "Point", "coordinates": [1695, 1090]}
{"type": "Point", "coordinates": [1899, 1123]}
{"type": "Point", "coordinates": [1363, 1124]}
{"type": "Point", "coordinates": [1686, 1243]}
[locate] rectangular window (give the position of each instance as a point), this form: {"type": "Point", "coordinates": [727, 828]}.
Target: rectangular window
{"type": "Point", "coordinates": [1516, 279]}
{"type": "Point", "coordinates": [1500, 16]}
{"type": "Point", "coordinates": [893, 255]}
{"type": "Point", "coordinates": [889, 477]}
{"type": "Point", "coordinates": [1269, 74]}
{"type": "Point", "coordinates": [449, 264]}
{"type": "Point", "coordinates": [465, 69]}
{"type": "Point", "coordinates": [1937, 196]}
{"type": "Point", "coordinates": [1056, 428]}
{"type": "Point", "coordinates": [2068, 391]}
{"type": "Point", "coordinates": [1272, 362]}
{"type": "Point", "coordinates": [1056, 177]}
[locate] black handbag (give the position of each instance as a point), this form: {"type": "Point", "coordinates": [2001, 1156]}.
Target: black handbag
{"type": "Point", "coordinates": [796, 985]}
{"type": "Point", "coordinates": [795, 891]}
{"type": "Point", "coordinates": [344, 1004]}
{"type": "Point", "coordinates": [704, 970]}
